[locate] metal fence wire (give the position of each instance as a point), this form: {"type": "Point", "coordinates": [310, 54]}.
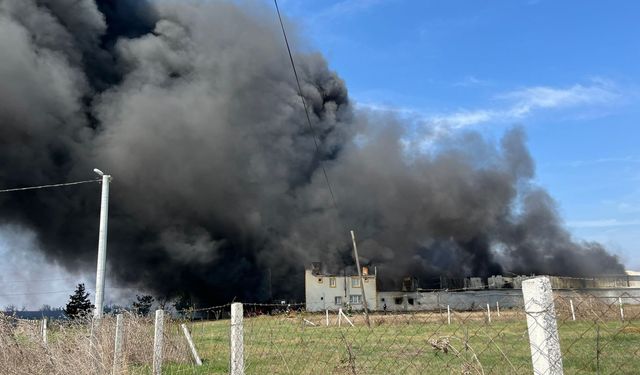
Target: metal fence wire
{"type": "Point", "coordinates": [594, 334]}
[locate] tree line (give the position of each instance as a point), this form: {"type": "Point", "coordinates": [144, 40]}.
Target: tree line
{"type": "Point", "coordinates": [80, 306]}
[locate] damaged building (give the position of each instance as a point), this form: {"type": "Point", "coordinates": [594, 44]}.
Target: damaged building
{"type": "Point", "coordinates": [331, 291]}
{"type": "Point", "coordinates": [326, 290]}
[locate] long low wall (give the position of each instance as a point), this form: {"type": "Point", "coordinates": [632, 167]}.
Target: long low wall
{"type": "Point", "coordinates": [478, 299]}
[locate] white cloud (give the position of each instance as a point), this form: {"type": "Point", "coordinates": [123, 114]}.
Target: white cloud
{"type": "Point", "coordinates": [428, 127]}
{"type": "Point", "coordinates": [540, 97]}
{"type": "Point", "coordinates": [343, 8]}
{"type": "Point", "coordinates": [628, 208]}
{"type": "Point", "coordinates": [603, 223]}
{"type": "Point", "coordinates": [515, 105]}
{"type": "Point", "coordinates": [379, 107]}
{"type": "Point", "coordinates": [463, 118]}
{"type": "Point", "coordinates": [592, 162]}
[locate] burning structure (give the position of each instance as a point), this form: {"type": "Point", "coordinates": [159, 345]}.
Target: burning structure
{"type": "Point", "coordinates": [191, 106]}
{"type": "Point", "coordinates": [332, 291]}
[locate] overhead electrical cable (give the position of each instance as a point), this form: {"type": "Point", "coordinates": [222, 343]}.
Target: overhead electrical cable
{"type": "Point", "coordinates": [48, 186]}
{"type": "Point", "coordinates": [4, 282]}
{"type": "Point", "coordinates": [35, 293]}
{"type": "Point", "coordinates": [304, 104]}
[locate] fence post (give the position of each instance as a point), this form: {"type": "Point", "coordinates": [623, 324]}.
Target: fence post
{"type": "Point", "coordinates": [597, 349]}
{"type": "Point", "coordinates": [327, 316]}
{"type": "Point", "coordinates": [44, 331]}
{"type": "Point", "coordinates": [157, 342]}
{"type": "Point", "coordinates": [94, 345]}
{"type": "Point", "coordinates": [448, 315]}
{"type": "Point", "coordinates": [346, 318]}
{"type": "Point", "coordinates": [498, 307]}
{"type": "Point", "coordinates": [621, 310]}
{"type": "Point", "coordinates": [542, 326]}
{"type": "Point", "coordinates": [488, 313]}
{"type": "Point", "coordinates": [117, 351]}
{"type": "Point", "coordinates": [192, 346]}
{"type": "Point", "coordinates": [573, 311]}
{"type": "Point", "coordinates": [237, 344]}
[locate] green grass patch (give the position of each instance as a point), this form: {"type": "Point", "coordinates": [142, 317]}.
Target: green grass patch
{"type": "Point", "coordinates": [283, 345]}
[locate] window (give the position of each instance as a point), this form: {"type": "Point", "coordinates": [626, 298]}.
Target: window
{"type": "Point", "coordinates": [338, 300]}
{"type": "Point", "coordinates": [332, 282]}
{"type": "Point", "coordinates": [355, 299]}
{"type": "Point", "coordinates": [355, 282]}
{"type": "Point", "coordinates": [398, 300]}
{"type": "Point", "coordinates": [411, 301]}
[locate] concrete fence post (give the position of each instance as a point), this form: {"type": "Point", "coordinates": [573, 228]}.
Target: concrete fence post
{"type": "Point", "coordinates": [488, 313]}
{"type": "Point", "coordinates": [158, 338]}
{"type": "Point", "coordinates": [448, 315]}
{"type": "Point", "coordinates": [346, 318]}
{"type": "Point", "coordinates": [117, 349]}
{"type": "Point", "coordinates": [573, 311]}
{"type": "Point", "coordinates": [237, 340]}
{"type": "Point", "coordinates": [542, 326]}
{"type": "Point", "coordinates": [498, 307]}
{"type": "Point", "coordinates": [192, 346]}
{"type": "Point", "coordinates": [44, 331]}
{"type": "Point", "coordinates": [621, 310]}
{"type": "Point", "coordinates": [95, 347]}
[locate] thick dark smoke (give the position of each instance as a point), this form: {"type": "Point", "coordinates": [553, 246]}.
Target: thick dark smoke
{"type": "Point", "coordinates": [192, 107]}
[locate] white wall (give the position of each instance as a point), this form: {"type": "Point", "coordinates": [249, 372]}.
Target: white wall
{"type": "Point", "coordinates": [478, 299]}
{"type": "Point", "coordinates": [320, 295]}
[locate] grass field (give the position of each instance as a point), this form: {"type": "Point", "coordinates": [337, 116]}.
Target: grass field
{"type": "Point", "coordinates": [411, 344]}
{"type": "Point", "coordinates": [302, 343]}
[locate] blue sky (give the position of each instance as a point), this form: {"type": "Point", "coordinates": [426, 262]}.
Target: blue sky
{"type": "Point", "coordinates": [565, 70]}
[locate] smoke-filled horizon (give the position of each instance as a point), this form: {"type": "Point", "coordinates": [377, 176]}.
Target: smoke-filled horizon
{"type": "Point", "coordinates": [218, 187]}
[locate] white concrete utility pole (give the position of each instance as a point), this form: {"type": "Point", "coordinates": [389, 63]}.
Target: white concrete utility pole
{"type": "Point", "coordinates": [364, 296]}
{"type": "Point", "coordinates": [102, 244]}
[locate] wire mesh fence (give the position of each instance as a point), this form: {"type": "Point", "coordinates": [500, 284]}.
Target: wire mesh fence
{"type": "Point", "coordinates": [412, 342]}
{"type": "Point", "coordinates": [595, 334]}
{"type": "Point", "coordinates": [599, 334]}
{"type": "Point", "coordinates": [83, 346]}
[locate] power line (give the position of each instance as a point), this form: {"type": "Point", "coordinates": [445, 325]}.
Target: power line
{"type": "Point", "coordinates": [34, 293]}
{"type": "Point", "coordinates": [2, 282]}
{"type": "Point", "coordinates": [48, 186]}
{"type": "Point", "coordinates": [304, 103]}
{"type": "Point", "coordinates": [58, 292]}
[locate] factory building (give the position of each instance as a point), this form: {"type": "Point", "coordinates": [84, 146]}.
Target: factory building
{"type": "Point", "coordinates": [324, 290]}
{"type": "Point", "coordinates": [331, 291]}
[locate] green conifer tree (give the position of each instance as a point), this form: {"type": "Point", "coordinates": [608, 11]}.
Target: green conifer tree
{"type": "Point", "coordinates": [142, 305]}
{"type": "Point", "coordinates": [79, 304]}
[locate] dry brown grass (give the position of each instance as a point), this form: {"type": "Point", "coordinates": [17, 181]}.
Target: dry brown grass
{"type": "Point", "coordinates": [77, 347]}
{"type": "Point", "coordinates": [590, 308]}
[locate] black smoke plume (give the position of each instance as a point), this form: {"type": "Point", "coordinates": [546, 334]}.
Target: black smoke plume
{"type": "Point", "coordinates": [217, 188]}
